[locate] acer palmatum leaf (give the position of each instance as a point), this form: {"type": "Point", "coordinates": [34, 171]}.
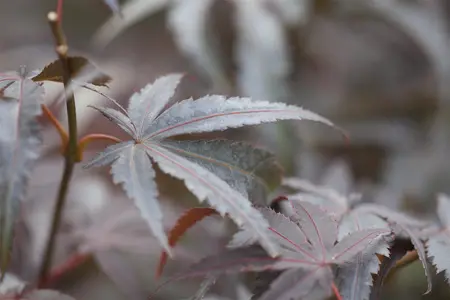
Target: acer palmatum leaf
{"type": "Point", "coordinates": [46, 295]}
{"type": "Point", "coordinates": [215, 113]}
{"type": "Point", "coordinates": [313, 258]}
{"type": "Point", "coordinates": [20, 141]}
{"type": "Point", "coordinates": [420, 248]}
{"type": "Point", "coordinates": [354, 278]}
{"type": "Point", "coordinates": [148, 121]}
{"type": "Point", "coordinates": [438, 245]}
{"type": "Point", "coordinates": [251, 171]}
{"type": "Point", "coordinates": [150, 101]}
{"type": "Point", "coordinates": [327, 198]}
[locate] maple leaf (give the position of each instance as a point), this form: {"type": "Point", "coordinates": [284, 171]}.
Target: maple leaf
{"type": "Point", "coordinates": [149, 122]}
{"type": "Point", "coordinates": [438, 245]}
{"type": "Point", "coordinates": [308, 252]}
{"type": "Point", "coordinates": [20, 141]}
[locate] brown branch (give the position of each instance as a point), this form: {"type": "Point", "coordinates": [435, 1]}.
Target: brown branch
{"type": "Point", "coordinates": [71, 151]}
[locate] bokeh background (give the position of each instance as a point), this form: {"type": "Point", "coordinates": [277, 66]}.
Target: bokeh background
{"type": "Point", "coordinates": [380, 69]}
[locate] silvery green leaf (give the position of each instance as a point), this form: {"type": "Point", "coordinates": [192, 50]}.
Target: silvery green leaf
{"type": "Point", "coordinates": [148, 103]}
{"type": "Point", "coordinates": [119, 119]}
{"type": "Point", "coordinates": [208, 186]}
{"type": "Point", "coordinates": [215, 113]}
{"type": "Point", "coordinates": [204, 288]}
{"type": "Point", "coordinates": [109, 155]}
{"type": "Point", "coordinates": [301, 284]}
{"type": "Point", "coordinates": [438, 245]}
{"type": "Point", "coordinates": [133, 169]}
{"type": "Point", "coordinates": [20, 141]}
{"type": "Point", "coordinates": [252, 171]}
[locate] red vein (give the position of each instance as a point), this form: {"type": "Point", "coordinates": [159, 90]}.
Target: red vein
{"type": "Point", "coordinates": [379, 232]}
{"type": "Point", "coordinates": [336, 291]}
{"type": "Point", "coordinates": [238, 210]}
{"type": "Point", "coordinates": [199, 119]}
{"type": "Point", "coordinates": [317, 231]}
{"type": "Point", "coordinates": [294, 244]}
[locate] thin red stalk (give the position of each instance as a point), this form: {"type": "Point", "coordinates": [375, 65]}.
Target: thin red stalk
{"type": "Point", "coordinates": [84, 141]}
{"type": "Point", "coordinates": [336, 291]}
{"type": "Point", "coordinates": [57, 272]}
{"type": "Point", "coordinates": [58, 126]}
{"type": "Point", "coordinates": [59, 10]}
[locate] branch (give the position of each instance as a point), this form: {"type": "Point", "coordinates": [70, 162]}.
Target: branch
{"type": "Point", "coordinates": [71, 151]}
{"type": "Point", "coordinates": [82, 144]}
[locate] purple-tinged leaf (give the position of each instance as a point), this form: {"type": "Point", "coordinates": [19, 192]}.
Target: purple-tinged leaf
{"type": "Point", "coordinates": [133, 169]}
{"type": "Point", "coordinates": [397, 250]}
{"type": "Point", "coordinates": [250, 259]}
{"type": "Point", "coordinates": [354, 278]}
{"type": "Point", "coordinates": [147, 104]}
{"type": "Point", "coordinates": [420, 248]}
{"type": "Point", "coordinates": [301, 284]}
{"type": "Point", "coordinates": [216, 113]}
{"type": "Point", "coordinates": [284, 232]}
{"type": "Point", "coordinates": [207, 186]}
{"type": "Point", "coordinates": [253, 172]}
{"type": "Point", "coordinates": [318, 227]}
{"type": "Point", "coordinates": [390, 215]}
{"type": "Point", "coordinates": [356, 242]}
{"type": "Point", "coordinates": [20, 141]}
{"type": "Point", "coordinates": [328, 199]}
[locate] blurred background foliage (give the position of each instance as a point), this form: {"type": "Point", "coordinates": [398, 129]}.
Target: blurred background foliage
{"type": "Point", "coordinates": [379, 69]}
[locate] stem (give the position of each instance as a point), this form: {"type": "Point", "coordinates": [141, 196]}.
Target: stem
{"type": "Point", "coordinates": [57, 272]}
{"type": "Point", "coordinates": [71, 151]}
{"type": "Point", "coordinates": [82, 144]}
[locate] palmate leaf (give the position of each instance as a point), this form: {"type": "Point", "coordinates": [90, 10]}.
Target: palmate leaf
{"type": "Point", "coordinates": [149, 121]}
{"type": "Point", "coordinates": [20, 140]}
{"type": "Point", "coordinates": [354, 279]}
{"type": "Point", "coordinates": [438, 245]}
{"type": "Point", "coordinates": [308, 252]}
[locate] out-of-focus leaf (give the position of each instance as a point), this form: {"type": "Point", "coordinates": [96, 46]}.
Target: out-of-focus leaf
{"type": "Point", "coordinates": [131, 12]}
{"type": "Point", "coordinates": [186, 221]}
{"type": "Point", "coordinates": [204, 288]}
{"type": "Point", "coordinates": [20, 141]}
{"type": "Point", "coordinates": [252, 171]}
{"type": "Point", "coordinates": [438, 245]}
{"type": "Point", "coordinates": [11, 285]}
{"type": "Point", "coordinates": [189, 23]}
{"type": "Point", "coordinates": [114, 6]}
{"type": "Point", "coordinates": [78, 66]}
{"type": "Point", "coordinates": [150, 123]}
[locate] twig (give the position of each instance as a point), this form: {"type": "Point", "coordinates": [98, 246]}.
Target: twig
{"type": "Point", "coordinates": [71, 151]}
{"type": "Point", "coordinates": [82, 144]}
{"type": "Point", "coordinates": [61, 131]}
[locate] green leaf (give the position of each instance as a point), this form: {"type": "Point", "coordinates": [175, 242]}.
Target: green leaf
{"type": "Point", "coordinates": [78, 65]}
